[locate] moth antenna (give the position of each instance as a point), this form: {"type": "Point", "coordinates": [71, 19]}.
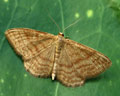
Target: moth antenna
{"type": "Point", "coordinates": [54, 22]}
{"type": "Point", "coordinates": [71, 24]}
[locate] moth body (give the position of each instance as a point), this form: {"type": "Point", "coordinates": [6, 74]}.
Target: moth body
{"type": "Point", "coordinates": [59, 44]}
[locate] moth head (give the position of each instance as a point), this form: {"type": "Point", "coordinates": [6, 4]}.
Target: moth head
{"type": "Point", "coordinates": [61, 34]}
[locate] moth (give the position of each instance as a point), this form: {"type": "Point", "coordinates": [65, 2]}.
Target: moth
{"type": "Point", "coordinates": [47, 55]}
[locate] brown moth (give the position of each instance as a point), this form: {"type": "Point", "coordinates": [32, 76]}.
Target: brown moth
{"type": "Point", "coordinates": [47, 55]}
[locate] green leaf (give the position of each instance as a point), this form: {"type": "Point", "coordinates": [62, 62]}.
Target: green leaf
{"type": "Point", "coordinates": [115, 5]}
{"type": "Point", "coordinates": [98, 28]}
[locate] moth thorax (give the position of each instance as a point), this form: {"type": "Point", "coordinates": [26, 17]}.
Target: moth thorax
{"type": "Point", "coordinates": [61, 34]}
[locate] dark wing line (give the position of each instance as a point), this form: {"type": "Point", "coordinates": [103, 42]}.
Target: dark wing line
{"type": "Point", "coordinates": [73, 65]}
{"type": "Point", "coordinates": [41, 50]}
{"type": "Point", "coordinates": [85, 47]}
{"type": "Point", "coordinates": [31, 42]}
{"type": "Point", "coordinates": [68, 77]}
{"type": "Point", "coordinates": [80, 46]}
{"type": "Point", "coordinates": [19, 53]}
{"type": "Point", "coordinates": [41, 65]}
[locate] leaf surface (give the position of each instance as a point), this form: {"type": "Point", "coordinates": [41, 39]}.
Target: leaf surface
{"type": "Point", "coordinates": [98, 28]}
